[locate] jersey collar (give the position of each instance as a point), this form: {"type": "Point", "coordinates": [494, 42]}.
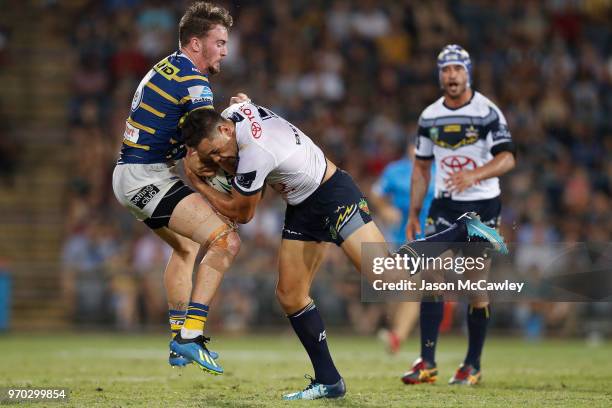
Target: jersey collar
{"type": "Point", "coordinates": [180, 53]}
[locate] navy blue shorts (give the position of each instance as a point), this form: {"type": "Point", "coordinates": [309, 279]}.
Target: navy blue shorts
{"type": "Point", "coordinates": [331, 214]}
{"type": "Point", "coordinates": [444, 211]}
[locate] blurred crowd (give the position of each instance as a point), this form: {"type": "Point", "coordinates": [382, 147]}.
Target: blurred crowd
{"type": "Point", "coordinates": [353, 75]}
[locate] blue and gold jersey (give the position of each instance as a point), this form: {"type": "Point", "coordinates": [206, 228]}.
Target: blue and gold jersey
{"type": "Point", "coordinates": [170, 90]}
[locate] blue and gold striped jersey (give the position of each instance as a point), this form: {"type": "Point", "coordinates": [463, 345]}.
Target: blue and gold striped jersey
{"type": "Point", "coordinates": [170, 90]}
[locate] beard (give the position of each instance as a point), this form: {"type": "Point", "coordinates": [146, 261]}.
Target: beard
{"type": "Point", "coordinates": [214, 69]}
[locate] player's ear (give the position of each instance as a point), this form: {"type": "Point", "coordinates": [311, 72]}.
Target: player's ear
{"type": "Point", "coordinates": [196, 44]}
{"type": "Point", "coordinates": [224, 129]}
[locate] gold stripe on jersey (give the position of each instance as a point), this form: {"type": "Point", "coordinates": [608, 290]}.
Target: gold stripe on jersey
{"type": "Point", "coordinates": [140, 126]}
{"type": "Point", "coordinates": [151, 109]}
{"type": "Point", "coordinates": [190, 77]}
{"type": "Point", "coordinates": [162, 93]}
{"type": "Point", "coordinates": [136, 145]}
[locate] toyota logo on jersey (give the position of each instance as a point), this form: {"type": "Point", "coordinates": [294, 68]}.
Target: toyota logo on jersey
{"type": "Point", "coordinates": [453, 164]}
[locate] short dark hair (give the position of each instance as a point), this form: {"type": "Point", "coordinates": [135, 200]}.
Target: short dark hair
{"type": "Point", "coordinates": [200, 124]}
{"type": "Point", "coordinates": [199, 18]}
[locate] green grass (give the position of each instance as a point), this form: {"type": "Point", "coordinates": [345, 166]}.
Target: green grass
{"type": "Point", "coordinates": [131, 371]}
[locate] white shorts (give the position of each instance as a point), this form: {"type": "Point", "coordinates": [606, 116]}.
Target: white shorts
{"type": "Point", "coordinates": [141, 187]}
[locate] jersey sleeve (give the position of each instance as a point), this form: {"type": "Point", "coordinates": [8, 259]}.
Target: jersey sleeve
{"type": "Point", "coordinates": [424, 145]}
{"type": "Point", "coordinates": [196, 93]}
{"type": "Point", "coordinates": [499, 138]}
{"type": "Point", "coordinates": [254, 165]}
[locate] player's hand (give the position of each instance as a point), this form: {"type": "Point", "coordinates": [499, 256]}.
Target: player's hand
{"type": "Point", "coordinates": [239, 98]}
{"type": "Point", "coordinates": [460, 181]}
{"type": "Point", "coordinates": [192, 176]}
{"type": "Point", "coordinates": [413, 228]}
{"type": "Point", "coordinates": [193, 162]}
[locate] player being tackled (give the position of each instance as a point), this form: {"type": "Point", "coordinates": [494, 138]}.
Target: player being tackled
{"type": "Point", "coordinates": [324, 205]}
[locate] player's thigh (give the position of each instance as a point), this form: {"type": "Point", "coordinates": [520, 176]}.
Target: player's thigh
{"type": "Point", "coordinates": [369, 234]}
{"type": "Point", "coordinates": [182, 246]}
{"type": "Point", "coordinates": [194, 218]}
{"type": "Point", "coordinates": [298, 263]}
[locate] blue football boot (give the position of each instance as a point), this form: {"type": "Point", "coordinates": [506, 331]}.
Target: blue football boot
{"type": "Point", "coordinates": [176, 360]}
{"type": "Point", "coordinates": [316, 390]}
{"type": "Point", "coordinates": [196, 352]}
{"type": "Point", "coordinates": [476, 229]}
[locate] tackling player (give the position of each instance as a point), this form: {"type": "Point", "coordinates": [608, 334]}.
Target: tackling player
{"type": "Point", "coordinates": [468, 137]}
{"type": "Point", "coordinates": [323, 205]}
{"type": "Point", "coordinates": [146, 181]}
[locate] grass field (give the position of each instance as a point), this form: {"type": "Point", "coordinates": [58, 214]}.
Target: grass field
{"type": "Point", "coordinates": [131, 371]}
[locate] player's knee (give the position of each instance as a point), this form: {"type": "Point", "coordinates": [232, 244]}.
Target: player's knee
{"type": "Point", "coordinates": [232, 242]}
{"type": "Point", "coordinates": [290, 298]}
{"type": "Point", "coordinates": [222, 251]}
{"type": "Point", "coordinates": [228, 242]}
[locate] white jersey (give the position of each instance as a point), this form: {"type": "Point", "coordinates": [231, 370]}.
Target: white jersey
{"type": "Point", "coordinates": [463, 139]}
{"type": "Point", "coordinates": [273, 151]}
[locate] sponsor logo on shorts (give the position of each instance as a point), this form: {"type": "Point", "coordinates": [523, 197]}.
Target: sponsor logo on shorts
{"type": "Point", "coordinates": [290, 232]}
{"type": "Point", "coordinates": [144, 196]}
{"type": "Point", "coordinates": [363, 206]}
{"type": "Point", "coordinates": [345, 216]}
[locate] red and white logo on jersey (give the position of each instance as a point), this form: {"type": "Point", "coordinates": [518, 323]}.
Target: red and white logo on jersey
{"type": "Point", "coordinates": [453, 164]}
{"type": "Point", "coordinates": [256, 130]}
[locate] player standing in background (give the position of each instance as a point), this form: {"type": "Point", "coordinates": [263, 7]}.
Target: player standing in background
{"type": "Point", "coordinates": [391, 200]}
{"type": "Point", "coordinates": [146, 181]}
{"type": "Point", "coordinates": [468, 137]}
{"type": "Point", "coordinates": [323, 205]}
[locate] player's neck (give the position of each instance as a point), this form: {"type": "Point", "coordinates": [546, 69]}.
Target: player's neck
{"type": "Point", "coordinates": [193, 58]}
{"type": "Point", "coordinates": [462, 100]}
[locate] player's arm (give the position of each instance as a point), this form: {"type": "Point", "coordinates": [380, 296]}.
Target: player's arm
{"type": "Point", "coordinates": [236, 206]}
{"type": "Point", "coordinates": [419, 184]}
{"type": "Point", "coordinates": [419, 181]}
{"type": "Point", "coordinates": [502, 163]}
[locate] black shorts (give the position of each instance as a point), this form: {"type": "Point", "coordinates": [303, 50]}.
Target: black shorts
{"type": "Point", "coordinates": [331, 214]}
{"type": "Point", "coordinates": [444, 211]}
{"type": "Point", "coordinates": [162, 213]}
